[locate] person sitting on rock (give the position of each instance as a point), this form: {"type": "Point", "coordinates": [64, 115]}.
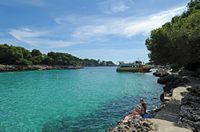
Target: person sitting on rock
{"type": "Point", "coordinates": [143, 107]}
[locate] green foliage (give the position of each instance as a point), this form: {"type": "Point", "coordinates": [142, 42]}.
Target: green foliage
{"type": "Point", "coordinates": [92, 62]}
{"type": "Point", "coordinates": [177, 42]}
{"type": "Point", "coordinates": [36, 53]}
{"type": "Point", "coordinates": [63, 59]}
{"type": "Point", "coordinates": [24, 62]}
{"type": "Point", "coordinates": [12, 55]}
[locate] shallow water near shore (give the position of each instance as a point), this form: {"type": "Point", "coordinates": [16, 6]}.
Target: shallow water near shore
{"type": "Point", "coordinates": [89, 99]}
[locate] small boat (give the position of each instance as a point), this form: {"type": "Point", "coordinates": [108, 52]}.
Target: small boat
{"type": "Point", "coordinates": [136, 66]}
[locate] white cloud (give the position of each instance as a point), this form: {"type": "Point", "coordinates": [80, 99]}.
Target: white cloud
{"type": "Point", "coordinates": [119, 7]}
{"type": "Point", "coordinates": [20, 34]}
{"type": "Point", "coordinates": [125, 27]}
{"type": "Point", "coordinates": [115, 6]}
{"type": "Point", "coordinates": [93, 28]}
{"type": "Point", "coordinates": [145, 25]}
{"type": "Point", "coordinates": [87, 32]}
{"type": "Point", "coordinates": [37, 38]}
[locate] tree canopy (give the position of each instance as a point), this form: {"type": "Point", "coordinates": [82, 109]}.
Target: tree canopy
{"type": "Point", "coordinates": [13, 55]}
{"type": "Point", "coordinates": [177, 42]}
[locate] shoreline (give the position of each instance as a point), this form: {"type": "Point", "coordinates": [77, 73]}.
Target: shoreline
{"type": "Point", "coordinates": [134, 122]}
{"type": "Point", "coordinates": [172, 114]}
{"type": "Point", "coordinates": [13, 68]}
{"type": "Point", "coordinates": [18, 68]}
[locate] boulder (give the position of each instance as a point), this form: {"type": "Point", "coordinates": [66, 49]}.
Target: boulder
{"type": "Point", "coordinates": [196, 90]}
{"type": "Point", "coordinates": [190, 109]}
{"type": "Point", "coordinates": [133, 125]}
{"type": "Point", "coordinates": [189, 98]}
{"type": "Point", "coordinates": [166, 79]}
{"type": "Point", "coordinates": [190, 112]}
{"type": "Point", "coordinates": [172, 81]}
{"type": "Point", "coordinates": [161, 73]}
{"type": "Point", "coordinates": [188, 123]}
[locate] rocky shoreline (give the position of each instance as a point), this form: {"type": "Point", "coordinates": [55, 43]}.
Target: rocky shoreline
{"type": "Point", "coordinates": [187, 108]}
{"type": "Point", "coordinates": [189, 104]}
{"type": "Point", "coordinates": [11, 68]}
{"type": "Point", "coordinates": [190, 109]}
{"type": "Point", "coordinates": [136, 124]}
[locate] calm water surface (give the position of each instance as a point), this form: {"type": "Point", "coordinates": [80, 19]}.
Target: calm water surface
{"type": "Point", "coordinates": [89, 99]}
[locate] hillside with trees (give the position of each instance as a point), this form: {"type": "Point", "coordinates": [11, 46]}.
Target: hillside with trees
{"type": "Point", "coordinates": [178, 42]}
{"type": "Point", "coordinates": [13, 55]}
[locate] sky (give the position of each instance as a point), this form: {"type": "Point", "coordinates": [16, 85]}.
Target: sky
{"type": "Point", "coordinates": [113, 30]}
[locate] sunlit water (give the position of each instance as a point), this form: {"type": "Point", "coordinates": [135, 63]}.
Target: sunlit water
{"type": "Point", "coordinates": [89, 99]}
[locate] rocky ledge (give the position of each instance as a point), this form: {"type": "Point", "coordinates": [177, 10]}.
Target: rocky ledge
{"type": "Point", "coordinates": [172, 81]}
{"type": "Point", "coordinates": [190, 104]}
{"type": "Point", "coordinates": [161, 72]}
{"type": "Point", "coordinates": [8, 68]}
{"type": "Point", "coordinates": [190, 109]}
{"type": "Point", "coordinates": [133, 124]}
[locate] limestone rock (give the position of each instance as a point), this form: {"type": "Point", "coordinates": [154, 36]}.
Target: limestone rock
{"type": "Point", "coordinates": [190, 109]}
{"type": "Point", "coordinates": [160, 73]}
{"type": "Point", "coordinates": [172, 81]}
{"type": "Point", "coordinates": [137, 124]}
{"type": "Point", "coordinates": [166, 79]}
{"type": "Point", "coordinates": [191, 112]}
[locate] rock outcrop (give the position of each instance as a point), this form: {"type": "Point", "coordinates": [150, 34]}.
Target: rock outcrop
{"type": "Point", "coordinates": [185, 72]}
{"type": "Point", "coordinates": [190, 109]}
{"type": "Point", "coordinates": [137, 124]}
{"type": "Point", "coordinates": [190, 105]}
{"type": "Point", "coordinates": [172, 81]}
{"type": "Point", "coordinates": [161, 73]}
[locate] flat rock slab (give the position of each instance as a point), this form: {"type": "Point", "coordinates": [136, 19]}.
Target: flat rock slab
{"type": "Point", "coordinates": [179, 92]}
{"type": "Point", "coordinates": [166, 120]}
{"type": "Point", "coordinates": [167, 126]}
{"type": "Point", "coordinates": [170, 112]}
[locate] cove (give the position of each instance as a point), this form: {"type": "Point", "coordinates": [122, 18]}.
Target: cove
{"type": "Point", "coordinates": [89, 99]}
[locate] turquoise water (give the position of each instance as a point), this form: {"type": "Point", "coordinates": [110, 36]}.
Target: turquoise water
{"type": "Point", "coordinates": [89, 99]}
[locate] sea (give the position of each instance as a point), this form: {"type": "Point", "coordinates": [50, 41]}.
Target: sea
{"type": "Point", "coordinates": [91, 99]}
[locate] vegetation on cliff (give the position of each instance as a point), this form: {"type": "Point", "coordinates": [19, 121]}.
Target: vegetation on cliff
{"type": "Point", "coordinates": [178, 42]}
{"type": "Point", "coordinates": [13, 55]}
